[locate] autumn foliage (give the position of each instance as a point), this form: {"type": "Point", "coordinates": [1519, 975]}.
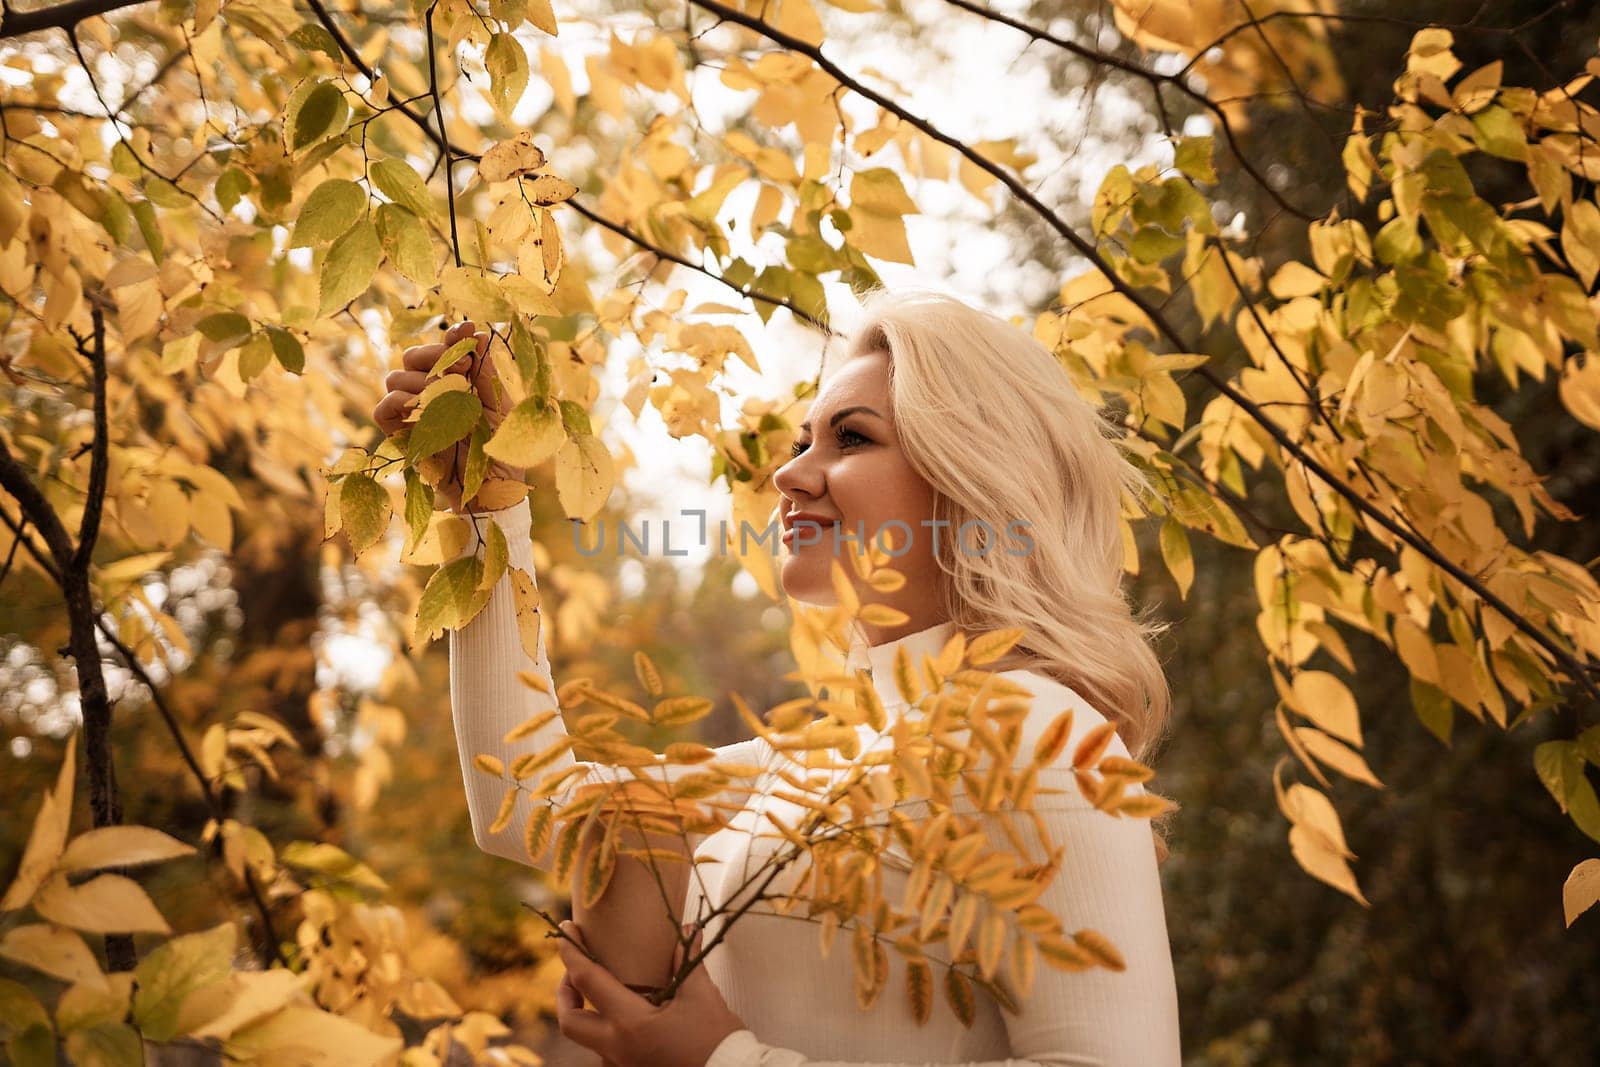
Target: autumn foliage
{"type": "Point", "coordinates": [218, 222]}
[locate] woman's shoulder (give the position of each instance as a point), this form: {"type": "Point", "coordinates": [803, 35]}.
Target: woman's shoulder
{"type": "Point", "coordinates": [1052, 698]}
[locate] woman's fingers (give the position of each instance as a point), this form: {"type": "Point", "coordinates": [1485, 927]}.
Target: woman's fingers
{"type": "Point", "coordinates": [406, 381]}
{"type": "Point", "coordinates": [390, 413]}
{"type": "Point", "coordinates": [575, 1023]}
{"type": "Point", "coordinates": [600, 987]}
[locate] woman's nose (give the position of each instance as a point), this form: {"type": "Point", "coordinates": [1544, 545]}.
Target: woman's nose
{"type": "Point", "coordinates": [798, 478]}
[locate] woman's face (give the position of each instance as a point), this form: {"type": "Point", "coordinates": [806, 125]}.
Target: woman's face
{"type": "Point", "coordinates": [849, 469]}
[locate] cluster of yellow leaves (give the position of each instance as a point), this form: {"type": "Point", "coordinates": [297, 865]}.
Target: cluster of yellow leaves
{"type": "Point", "coordinates": [187, 988]}
{"type": "Point", "coordinates": [959, 753]}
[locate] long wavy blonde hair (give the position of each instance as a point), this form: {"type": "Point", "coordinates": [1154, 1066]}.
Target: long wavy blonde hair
{"type": "Point", "coordinates": [994, 424]}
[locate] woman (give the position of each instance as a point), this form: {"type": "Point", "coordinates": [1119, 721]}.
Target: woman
{"type": "Point", "coordinates": [942, 422]}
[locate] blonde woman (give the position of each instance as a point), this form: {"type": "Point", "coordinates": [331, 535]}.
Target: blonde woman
{"type": "Point", "coordinates": [959, 443]}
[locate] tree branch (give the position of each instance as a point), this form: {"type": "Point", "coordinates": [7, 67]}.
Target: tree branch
{"type": "Point", "coordinates": [1165, 329]}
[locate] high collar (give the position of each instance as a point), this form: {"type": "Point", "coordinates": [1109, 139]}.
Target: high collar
{"type": "Point", "coordinates": [926, 642]}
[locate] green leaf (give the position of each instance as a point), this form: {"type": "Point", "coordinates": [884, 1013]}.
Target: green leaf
{"type": "Point", "coordinates": [331, 209]}
{"type": "Point", "coordinates": [531, 433]}
{"type": "Point", "coordinates": [531, 362]}
{"type": "Point", "coordinates": [348, 269]}
{"type": "Point", "coordinates": [312, 37]}
{"type": "Point", "coordinates": [575, 418]}
{"type": "Point", "coordinates": [1193, 156]}
{"type": "Point", "coordinates": [106, 1045]}
{"type": "Point", "coordinates": [419, 507]}
{"type": "Point", "coordinates": [255, 356]}
{"type": "Point", "coordinates": [448, 418]}
{"type": "Point", "coordinates": [232, 184]}
{"type": "Point", "coordinates": [407, 243]}
{"type": "Point", "coordinates": [477, 465]}
{"type": "Point", "coordinates": [1434, 709]}
{"type": "Point", "coordinates": [332, 861]}
{"type": "Point", "coordinates": [1151, 244]}
{"type": "Point", "coordinates": [1560, 766]}
{"type": "Point", "coordinates": [1500, 133]}
{"type": "Point", "coordinates": [507, 64]}
{"type": "Point", "coordinates": [227, 328]}
{"type": "Point", "coordinates": [396, 180]}
{"type": "Point", "coordinates": [175, 969]}
{"type": "Point", "coordinates": [448, 596]}
{"type": "Point", "coordinates": [286, 347]}
{"type": "Point", "coordinates": [144, 213]}
{"type": "Point", "coordinates": [364, 511]}
{"type": "Point", "coordinates": [316, 110]}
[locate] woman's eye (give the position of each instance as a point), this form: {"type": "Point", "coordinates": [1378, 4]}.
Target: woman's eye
{"type": "Point", "coordinates": [845, 437]}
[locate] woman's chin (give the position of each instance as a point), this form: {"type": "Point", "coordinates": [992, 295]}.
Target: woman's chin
{"type": "Point", "coordinates": [804, 580]}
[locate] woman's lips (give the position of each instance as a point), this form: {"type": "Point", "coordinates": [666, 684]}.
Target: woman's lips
{"type": "Point", "coordinates": [813, 528]}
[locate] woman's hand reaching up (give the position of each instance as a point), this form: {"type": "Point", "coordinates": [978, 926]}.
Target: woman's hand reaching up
{"type": "Point", "coordinates": [627, 1030]}
{"type": "Point", "coordinates": [407, 383]}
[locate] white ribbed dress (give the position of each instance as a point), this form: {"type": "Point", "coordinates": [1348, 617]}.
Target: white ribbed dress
{"type": "Point", "coordinates": [799, 1005]}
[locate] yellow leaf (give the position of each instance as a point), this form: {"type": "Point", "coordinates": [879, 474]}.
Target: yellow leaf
{"type": "Point", "coordinates": [585, 475]}
{"type": "Point", "coordinates": [677, 711]}
{"type": "Point", "coordinates": [1295, 279]}
{"type": "Point", "coordinates": [525, 597]}
{"type": "Point", "coordinates": [49, 835]}
{"type": "Point", "coordinates": [1321, 862]}
{"type": "Point", "coordinates": [958, 991]}
{"type": "Point", "coordinates": [882, 615]}
{"type": "Point", "coordinates": [1325, 700]}
{"type": "Point", "coordinates": [599, 864]}
{"type": "Point", "coordinates": [541, 15]}
{"type": "Point", "coordinates": [878, 205]}
{"type": "Point", "coordinates": [109, 904]}
{"type": "Point", "coordinates": [919, 988]}
{"type": "Point", "coordinates": [508, 808]}
{"type": "Point", "coordinates": [961, 920]}
{"type": "Point", "coordinates": [121, 846]}
{"type": "Point", "coordinates": [567, 842]}
{"type": "Point", "coordinates": [52, 950]}
{"type": "Point", "coordinates": [1021, 963]}
{"type": "Point", "coordinates": [1582, 889]}
{"type": "Point", "coordinates": [489, 764]}
{"type": "Point", "coordinates": [986, 648]}
{"type": "Point", "coordinates": [531, 433]}
{"type": "Point", "coordinates": [1144, 806]}
{"type": "Point", "coordinates": [530, 726]}
{"type": "Point", "coordinates": [1053, 740]}
{"type": "Point", "coordinates": [991, 942]}
{"type": "Point", "coordinates": [536, 835]}
{"type": "Point", "coordinates": [649, 677]}
{"type": "Point", "coordinates": [309, 1037]}
{"type": "Point", "coordinates": [1063, 954]}
{"type": "Point", "coordinates": [1103, 951]}
{"type": "Point", "coordinates": [1342, 759]}
{"type": "Point", "coordinates": [1093, 745]}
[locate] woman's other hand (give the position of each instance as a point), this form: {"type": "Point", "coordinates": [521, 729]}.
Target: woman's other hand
{"type": "Point", "coordinates": [627, 1030]}
{"type": "Point", "coordinates": [407, 383]}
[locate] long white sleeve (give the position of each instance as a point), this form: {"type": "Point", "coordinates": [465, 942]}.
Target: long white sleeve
{"type": "Point", "coordinates": [1108, 882]}
{"type": "Point", "coordinates": [487, 700]}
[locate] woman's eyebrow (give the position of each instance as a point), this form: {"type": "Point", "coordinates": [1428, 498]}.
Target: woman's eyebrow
{"type": "Point", "coordinates": [837, 415]}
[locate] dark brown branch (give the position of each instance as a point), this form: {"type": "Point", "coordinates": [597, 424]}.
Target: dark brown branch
{"type": "Point", "coordinates": [59, 17]}
{"type": "Point", "coordinates": [1156, 81]}
{"type": "Point", "coordinates": [213, 803]}
{"type": "Point", "coordinates": [72, 566]}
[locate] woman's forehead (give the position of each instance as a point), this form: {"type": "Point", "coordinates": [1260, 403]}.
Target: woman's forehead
{"type": "Point", "coordinates": [859, 380]}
